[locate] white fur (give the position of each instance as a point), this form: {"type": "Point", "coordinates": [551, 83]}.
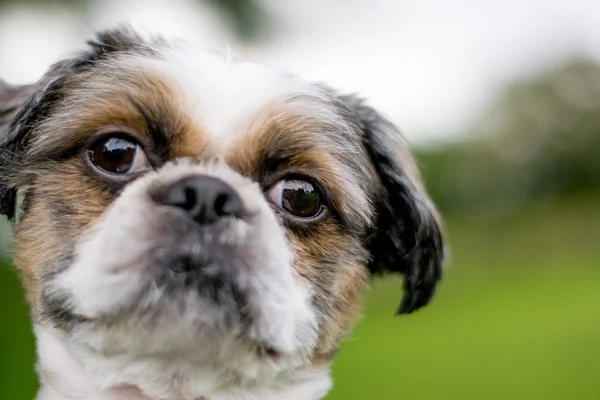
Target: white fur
{"type": "Point", "coordinates": [223, 94]}
{"type": "Point", "coordinates": [71, 382]}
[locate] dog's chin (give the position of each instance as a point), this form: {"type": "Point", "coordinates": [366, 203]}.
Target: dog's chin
{"type": "Point", "coordinates": [214, 334]}
{"type": "Point", "coordinates": [195, 307]}
{"type": "Point", "coordinates": [188, 335]}
{"type": "Point", "coordinates": [207, 311]}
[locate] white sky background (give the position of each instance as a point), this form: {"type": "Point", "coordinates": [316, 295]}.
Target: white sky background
{"type": "Point", "coordinates": [430, 65]}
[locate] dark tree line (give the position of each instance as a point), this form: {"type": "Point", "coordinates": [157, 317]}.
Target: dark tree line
{"type": "Point", "coordinates": [248, 19]}
{"type": "Point", "coordinates": [540, 138]}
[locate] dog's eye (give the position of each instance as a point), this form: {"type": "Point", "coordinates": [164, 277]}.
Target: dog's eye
{"type": "Point", "coordinates": [299, 198]}
{"type": "Point", "coordinates": [118, 156]}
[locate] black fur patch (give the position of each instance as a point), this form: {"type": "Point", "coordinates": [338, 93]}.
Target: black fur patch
{"type": "Point", "coordinates": [56, 308]}
{"type": "Point", "coordinates": [11, 100]}
{"type": "Point", "coordinates": [408, 237]}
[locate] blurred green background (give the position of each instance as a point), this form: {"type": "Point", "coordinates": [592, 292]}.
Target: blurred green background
{"type": "Point", "coordinates": [517, 315]}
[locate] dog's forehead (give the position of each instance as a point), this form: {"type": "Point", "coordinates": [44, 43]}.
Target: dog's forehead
{"type": "Point", "coordinates": [221, 92]}
{"type": "Point", "coordinates": [225, 96]}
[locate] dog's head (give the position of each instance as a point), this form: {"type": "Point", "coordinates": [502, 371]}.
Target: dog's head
{"type": "Point", "coordinates": [184, 205]}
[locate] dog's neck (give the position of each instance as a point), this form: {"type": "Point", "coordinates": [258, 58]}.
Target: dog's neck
{"type": "Point", "coordinates": [64, 377]}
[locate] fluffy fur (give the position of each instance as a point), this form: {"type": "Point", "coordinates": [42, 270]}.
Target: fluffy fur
{"type": "Point", "coordinates": [263, 315]}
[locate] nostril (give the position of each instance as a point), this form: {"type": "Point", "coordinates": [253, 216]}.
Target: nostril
{"type": "Point", "coordinates": [180, 196]}
{"type": "Point", "coordinates": [221, 203]}
{"type": "Point", "coordinates": [229, 204]}
{"type": "Point", "coordinates": [190, 199]}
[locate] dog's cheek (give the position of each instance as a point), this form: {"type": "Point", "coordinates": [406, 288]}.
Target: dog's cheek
{"type": "Point", "coordinates": [334, 265]}
{"type": "Point", "coordinates": [37, 245]}
{"type": "Point", "coordinates": [60, 205]}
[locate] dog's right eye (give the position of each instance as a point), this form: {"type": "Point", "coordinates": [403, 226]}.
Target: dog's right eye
{"type": "Point", "coordinates": [118, 155]}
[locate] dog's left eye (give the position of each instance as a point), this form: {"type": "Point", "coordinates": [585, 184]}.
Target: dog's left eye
{"type": "Point", "coordinates": [297, 197]}
{"type": "Point", "coordinates": [118, 155]}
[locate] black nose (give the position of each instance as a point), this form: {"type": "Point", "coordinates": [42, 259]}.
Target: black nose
{"type": "Point", "coordinates": [204, 198]}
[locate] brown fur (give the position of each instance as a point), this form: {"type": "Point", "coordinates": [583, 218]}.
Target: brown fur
{"type": "Point", "coordinates": [281, 140]}
{"type": "Point", "coordinates": [62, 203]}
{"type": "Point", "coordinates": [339, 279]}
{"type": "Point", "coordinates": [113, 101]}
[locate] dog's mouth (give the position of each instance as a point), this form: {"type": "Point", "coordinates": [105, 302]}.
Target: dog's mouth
{"type": "Point", "coordinates": [210, 285]}
{"type": "Point", "coordinates": [184, 265]}
{"type": "Point", "coordinates": [208, 278]}
{"type": "Point", "coordinates": [190, 282]}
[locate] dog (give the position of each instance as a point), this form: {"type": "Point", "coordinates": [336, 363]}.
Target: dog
{"type": "Point", "coordinates": [192, 226]}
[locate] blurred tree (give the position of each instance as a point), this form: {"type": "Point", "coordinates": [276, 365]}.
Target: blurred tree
{"type": "Point", "coordinates": [248, 19]}
{"type": "Point", "coordinates": [549, 127]}
{"type": "Point", "coordinates": [540, 138]}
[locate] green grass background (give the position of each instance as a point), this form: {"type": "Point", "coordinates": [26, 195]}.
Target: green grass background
{"type": "Point", "coordinates": [517, 316]}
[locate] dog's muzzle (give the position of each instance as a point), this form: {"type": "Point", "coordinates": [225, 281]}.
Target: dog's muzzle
{"type": "Point", "coordinates": [192, 246]}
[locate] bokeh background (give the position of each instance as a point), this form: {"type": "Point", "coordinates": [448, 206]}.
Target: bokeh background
{"type": "Point", "coordinates": [501, 104]}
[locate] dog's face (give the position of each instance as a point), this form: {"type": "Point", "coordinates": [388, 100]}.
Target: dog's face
{"type": "Point", "coordinates": [186, 205]}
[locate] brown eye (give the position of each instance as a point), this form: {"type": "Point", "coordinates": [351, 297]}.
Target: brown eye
{"type": "Point", "coordinates": [118, 156]}
{"type": "Point", "coordinates": [299, 198]}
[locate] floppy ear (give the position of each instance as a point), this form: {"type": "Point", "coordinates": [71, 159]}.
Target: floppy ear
{"type": "Point", "coordinates": [408, 234]}
{"type": "Point", "coordinates": [12, 98]}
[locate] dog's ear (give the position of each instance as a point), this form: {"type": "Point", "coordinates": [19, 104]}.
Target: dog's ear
{"type": "Point", "coordinates": [12, 98]}
{"type": "Point", "coordinates": [408, 235]}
